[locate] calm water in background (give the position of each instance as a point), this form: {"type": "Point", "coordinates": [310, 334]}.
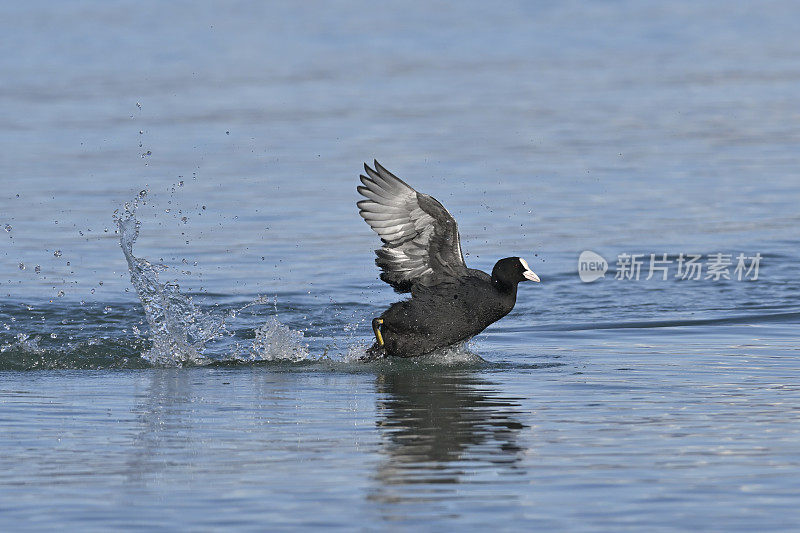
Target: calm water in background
{"type": "Point", "coordinates": [618, 127]}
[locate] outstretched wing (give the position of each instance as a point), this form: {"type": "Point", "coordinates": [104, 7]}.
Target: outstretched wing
{"type": "Point", "coordinates": [420, 238]}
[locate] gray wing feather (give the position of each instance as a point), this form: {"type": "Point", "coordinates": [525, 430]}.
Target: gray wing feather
{"type": "Point", "coordinates": [421, 245]}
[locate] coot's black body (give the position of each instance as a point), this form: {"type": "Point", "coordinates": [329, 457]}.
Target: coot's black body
{"type": "Point", "coordinates": [421, 254]}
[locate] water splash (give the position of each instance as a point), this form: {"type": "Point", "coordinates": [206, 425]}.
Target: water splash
{"type": "Point", "coordinates": [457, 355]}
{"type": "Point", "coordinates": [28, 352]}
{"type": "Point", "coordinates": [179, 330]}
{"type": "Point", "coordinates": [274, 342]}
{"type": "Point", "coordinates": [183, 333]}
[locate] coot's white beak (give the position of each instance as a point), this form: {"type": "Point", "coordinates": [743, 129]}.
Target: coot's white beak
{"type": "Point", "coordinates": [528, 273]}
{"type": "Point", "coordinates": [531, 275]}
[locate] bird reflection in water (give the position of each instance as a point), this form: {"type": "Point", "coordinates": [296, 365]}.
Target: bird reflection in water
{"type": "Point", "coordinates": [442, 428]}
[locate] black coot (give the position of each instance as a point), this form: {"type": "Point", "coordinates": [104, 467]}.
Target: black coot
{"type": "Point", "coordinates": [421, 254]}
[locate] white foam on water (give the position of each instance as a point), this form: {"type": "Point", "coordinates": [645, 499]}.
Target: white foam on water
{"type": "Point", "coordinates": [455, 355]}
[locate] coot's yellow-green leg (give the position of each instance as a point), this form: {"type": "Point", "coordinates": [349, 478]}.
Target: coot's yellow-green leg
{"type": "Point", "coordinates": [376, 327]}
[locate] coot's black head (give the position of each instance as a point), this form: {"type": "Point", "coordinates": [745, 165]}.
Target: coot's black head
{"type": "Point", "coordinates": [512, 270]}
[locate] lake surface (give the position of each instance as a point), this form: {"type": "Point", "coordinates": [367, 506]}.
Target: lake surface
{"type": "Point", "coordinates": [223, 390]}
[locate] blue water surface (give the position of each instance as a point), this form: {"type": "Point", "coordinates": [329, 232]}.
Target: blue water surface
{"type": "Point", "coordinates": [238, 130]}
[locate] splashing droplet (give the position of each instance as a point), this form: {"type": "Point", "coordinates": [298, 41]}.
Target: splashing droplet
{"type": "Point", "coordinates": [8, 227]}
{"type": "Point", "coordinates": [57, 253]}
{"type": "Point", "coordinates": [276, 342]}
{"type": "Point", "coordinates": [180, 331]}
